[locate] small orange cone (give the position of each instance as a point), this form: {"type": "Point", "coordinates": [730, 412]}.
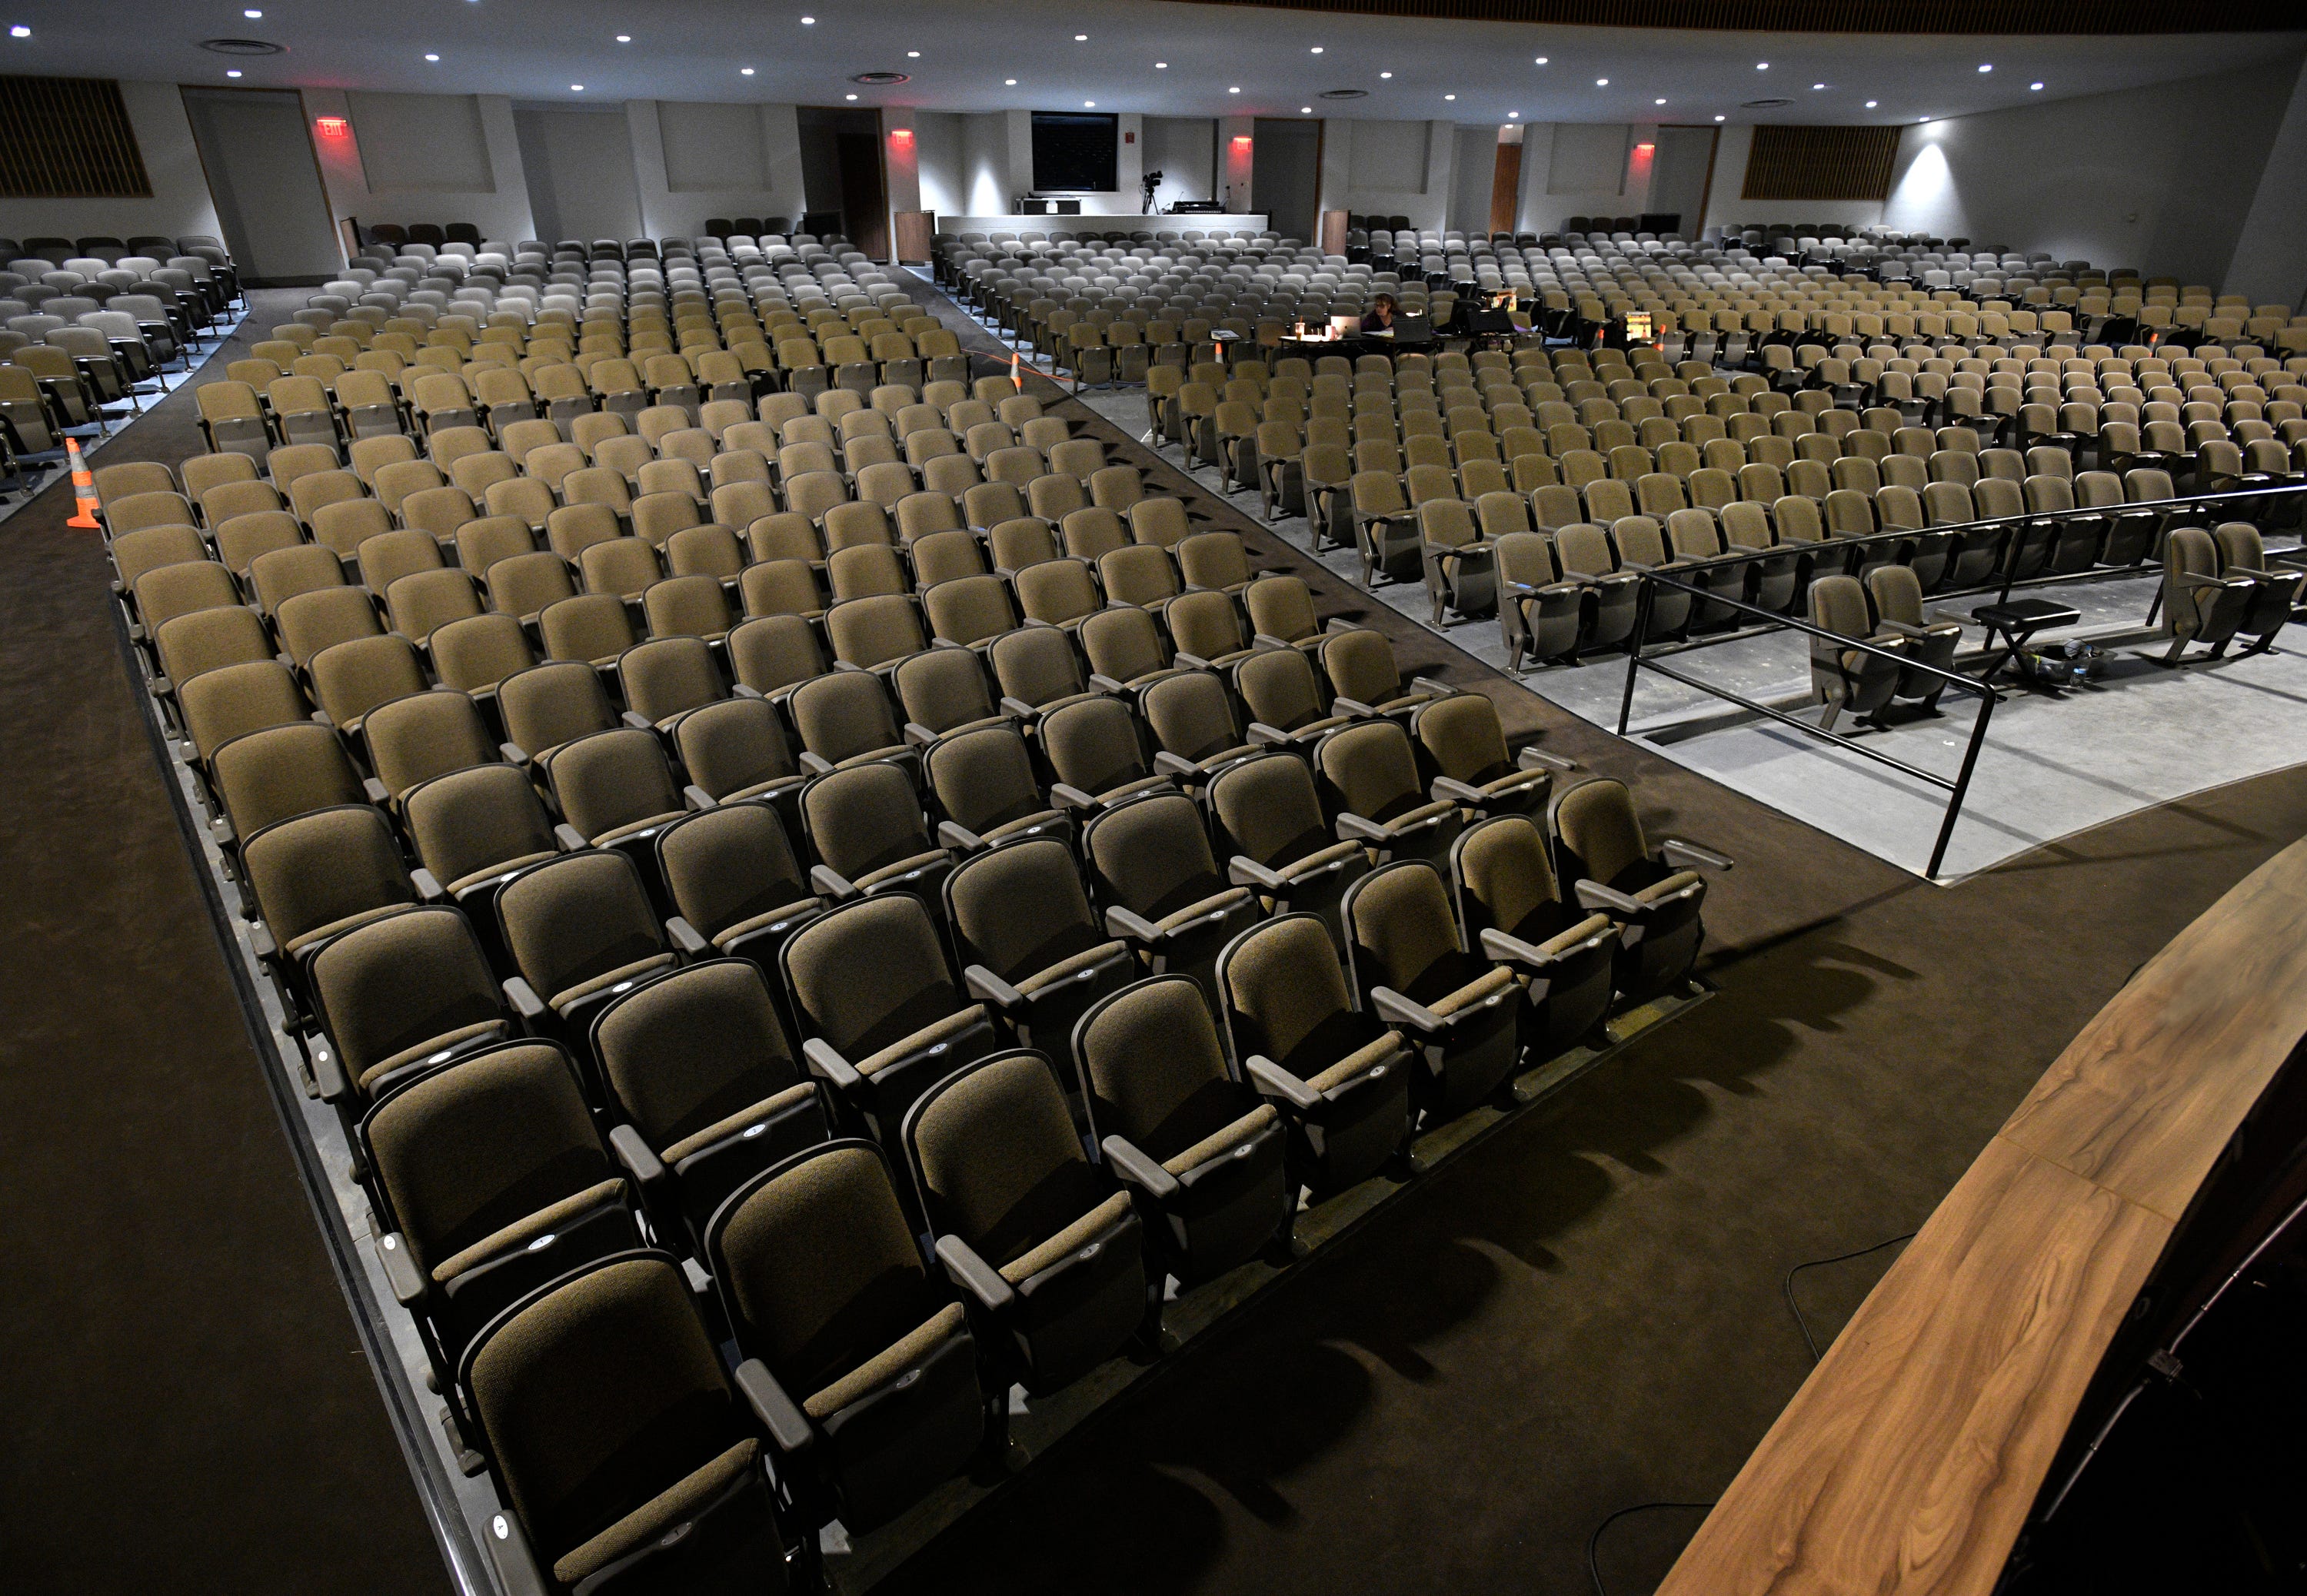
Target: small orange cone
{"type": "Point", "coordinates": [83, 489]}
{"type": "Point", "coordinates": [1013, 372]}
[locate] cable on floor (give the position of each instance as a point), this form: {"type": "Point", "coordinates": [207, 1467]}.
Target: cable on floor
{"type": "Point", "coordinates": [1594, 1541]}
{"type": "Point", "coordinates": [1788, 1288]}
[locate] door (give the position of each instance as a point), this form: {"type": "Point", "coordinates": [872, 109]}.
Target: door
{"type": "Point", "coordinates": [266, 183]}
{"type": "Point", "coordinates": [1679, 174]}
{"type": "Point", "coordinates": [864, 192]}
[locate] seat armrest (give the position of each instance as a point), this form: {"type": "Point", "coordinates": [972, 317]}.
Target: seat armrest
{"type": "Point", "coordinates": [260, 938]}
{"type": "Point", "coordinates": [973, 1275]}
{"type": "Point", "coordinates": [512, 753]}
{"type": "Point", "coordinates": [1272, 1080]}
{"type": "Point", "coordinates": [400, 1271]}
{"type": "Point", "coordinates": [1500, 948]}
{"type": "Point", "coordinates": [570, 838]}
{"type": "Point", "coordinates": [637, 721]}
{"type": "Point", "coordinates": [1445, 790]}
{"type": "Point", "coordinates": [1134, 1166]}
{"type": "Point", "coordinates": [1681, 850]}
{"type": "Point", "coordinates": [788, 1431]}
{"type": "Point", "coordinates": [697, 797]}
{"type": "Point", "coordinates": [820, 1055]}
{"type": "Point", "coordinates": [1427, 686]}
{"type": "Point", "coordinates": [918, 735]}
{"type": "Point", "coordinates": [428, 886]}
{"type": "Point", "coordinates": [1018, 708]}
{"type": "Point", "coordinates": [740, 690]}
{"type": "Point", "coordinates": [1123, 922]}
{"type": "Point", "coordinates": [831, 883]}
{"type": "Point", "coordinates": [1266, 736]}
{"type": "Point", "coordinates": [983, 982]}
{"type": "Point", "coordinates": [1267, 640]}
{"type": "Point", "coordinates": [1594, 895]}
{"type": "Point", "coordinates": [1355, 707]}
{"type": "Point", "coordinates": [1397, 1010]}
{"type": "Point", "coordinates": [328, 1074]}
{"type": "Point", "coordinates": [957, 836]}
{"type": "Point", "coordinates": [816, 764]}
{"type": "Point", "coordinates": [1243, 871]}
{"type": "Point", "coordinates": [514, 1565]}
{"type": "Point", "coordinates": [685, 937]}
{"type": "Point", "coordinates": [1353, 828]}
{"type": "Point", "coordinates": [644, 1165]}
{"type": "Point", "coordinates": [523, 999]}
{"type": "Point", "coordinates": [1104, 683]}
{"type": "Point", "coordinates": [1900, 628]}
{"type": "Point", "coordinates": [1070, 797]}
{"type": "Point", "coordinates": [375, 790]}
{"type": "Point", "coordinates": [1166, 763]}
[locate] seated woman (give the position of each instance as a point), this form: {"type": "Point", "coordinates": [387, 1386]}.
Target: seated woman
{"type": "Point", "coordinates": [1380, 319]}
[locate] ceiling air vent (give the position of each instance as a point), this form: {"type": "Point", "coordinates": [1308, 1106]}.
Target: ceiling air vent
{"type": "Point", "coordinates": [1345, 93]}
{"type": "Point", "coordinates": [881, 80]}
{"type": "Point", "coordinates": [1762, 105]}
{"type": "Point", "coordinates": [243, 46]}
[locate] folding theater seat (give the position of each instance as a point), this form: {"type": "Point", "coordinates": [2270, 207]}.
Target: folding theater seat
{"type": "Point", "coordinates": [489, 1179]}
{"type": "Point", "coordinates": [983, 784]}
{"type": "Point", "coordinates": [396, 998]}
{"type": "Point", "coordinates": [1849, 679]}
{"type": "Point", "coordinates": [580, 933]}
{"type": "Point", "coordinates": [648, 1482]}
{"type": "Point", "coordinates": [614, 790]}
{"type": "Point", "coordinates": [699, 1070]}
{"type": "Point", "coordinates": [1601, 853]}
{"type": "Point", "coordinates": [1284, 700]}
{"type": "Point", "coordinates": [1029, 943]}
{"type": "Point", "coordinates": [1153, 875]}
{"type": "Point", "coordinates": [2275, 590]}
{"type": "Point", "coordinates": [866, 826]}
{"type": "Point", "coordinates": [860, 1362]}
{"type": "Point", "coordinates": [1365, 679]}
{"type": "Point", "coordinates": [731, 874]}
{"type": "Point", "coordinates": [1411, 971]}
{"type": "Point", "coordinates": [1339, 1077]}
{"type": "Point", "coordinates": [1898, 599]}
{"type": "Point", "coordinates": [317, 874]}
{"type": "Point", "coordinates": [1510, 905]}
{"type": "Point", "coordinates": [1194, 1145]}
{"type": "Point", "coordinates": [1048, 1256]}
{"type": "Point", "coordinates": [473, 829]}
{"type": "Point", "coordinates": [875, 999]}
{"type": "Point", "coordinates": [1368, 775]}
{"type": "Point", "coordinates": [1462, 748]}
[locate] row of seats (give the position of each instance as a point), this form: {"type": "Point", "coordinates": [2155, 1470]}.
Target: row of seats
{"type": "Point", "coordinates": [832, 1044]}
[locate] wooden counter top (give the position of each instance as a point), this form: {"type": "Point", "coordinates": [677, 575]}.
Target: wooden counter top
{"type": "Point", "coordinates": [1909, 1460]}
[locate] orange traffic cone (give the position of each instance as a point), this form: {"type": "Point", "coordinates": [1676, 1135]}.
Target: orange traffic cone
{"type": "Point", "coordinates": [1013, 372]}
{"type": "Point", "coordinates": [83, 489]}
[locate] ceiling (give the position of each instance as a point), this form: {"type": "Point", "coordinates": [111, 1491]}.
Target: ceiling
{"type": "Point", "coordinates": [698, 49]}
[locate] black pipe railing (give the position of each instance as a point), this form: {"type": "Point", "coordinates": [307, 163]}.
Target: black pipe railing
{"type": "Point", "coordinates": [1957, 789]}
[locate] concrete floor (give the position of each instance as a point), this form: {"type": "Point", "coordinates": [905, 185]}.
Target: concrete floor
{"type": "Point", "coordinates": [2051, 765]}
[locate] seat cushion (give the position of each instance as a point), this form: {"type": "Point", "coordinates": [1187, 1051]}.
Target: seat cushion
{"type": "Point", "coordinates": [1080, 1234]}
{"type": "Point", "coordinates": [439, 1044]}
{"type": "Point", "coordinates": [699, 1140]}
{"type": "Point", "coordinates": [519, 1234]}
{"type": "Point", "coordinates": [1210, 905]}
{"type": "Point", "coordinates": [928, 1035]}
{"type": "Point", "coordinates": [645, 1524]}
{"type": "Point", "coordinates": [630, 972]}
{"type": "Point", "coordinates": [1497, 980]}
{"type": "Point", "coordinates": [1219, 1144]}
{"type": "Point", "coordinates": [1065, 969]}
{"type": "Point", "coordinates": [875, 1372]}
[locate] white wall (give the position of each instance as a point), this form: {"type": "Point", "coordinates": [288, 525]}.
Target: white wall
{"type": "Point", "coordinates": [1185, 150]}
{"type": "Point", "coordinates": [985, 186]}
{"type": "Point", "coordinates": [937, 147]}
{"type": "Point", "coordinates": [1392, 168]}
{"type": "Point", "coordinates": [1474, 169]}
{"type": "Point", "coordinates": [2159, 178]}
{"type": "Point", "coordinates": [579, 164]}
{"type": "Point", "coordinates": [425, 158]}
{"type": "Point", "coordinates": [180, 204]}
{"type": "Point", "coordinates": [694, 159]}
{"type": "Point", "coordinates": [2270, 258]}
{"type": "Point", "coordinates": [1582, 168]}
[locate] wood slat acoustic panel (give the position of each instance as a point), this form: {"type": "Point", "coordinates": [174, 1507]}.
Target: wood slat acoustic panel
{"type": "Point", "coordinates": [1819, 163]}
{"type": "Point", "coordinates": [68, 139]}
{"type": "Point", "coordinates": [1840, 16]}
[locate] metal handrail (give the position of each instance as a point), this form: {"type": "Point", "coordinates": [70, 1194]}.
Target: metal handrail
{"type": "Point", "coordinates": [1957, 789]}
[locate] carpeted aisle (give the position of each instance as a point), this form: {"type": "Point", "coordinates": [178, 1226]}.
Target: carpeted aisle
{"type": "Point", "coordinates": [1586, 1315]}
{"type": "Point", "coordinates": [188, 1405]}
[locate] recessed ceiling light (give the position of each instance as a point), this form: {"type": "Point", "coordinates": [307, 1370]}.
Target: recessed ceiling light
{"type": "Point", "coordinates": [19, 31]}
{"type": "Point", "coordinates": [576, 88]}
{"type": "Point", "coordinates": [1305, 110]}
{"type": "Point", "coordinates": [849, 96]}
{"type": "Point", "coordinates": [232, 71]}
{"type": "Point", "coordinates": [1541, 60]}
{"type": "Point", "coordinates": [1818, 85]}
{"type": "Point", "coordinates": [624, 38]}
{"type": "Point", "coordinates": [1316, 50]}
{"type": "Point", "coordinates": [1012, 82]}
{"type": "Point", "coordinates": [2034, 85]}
{"type": "Point", "coordinates": [1385, 74]}
{"type": "Point", "coordinates": [808, 21]}
{"type": "Point", "coordinates": [1986, 66]}
{"type": "Point", "coordinates": [1601, 82]}
{"type": "Point", "coordinates": [430, 57]}
{"type": "Point", "coordinates": [1921, 119]}
{"type": "Point", "coordinates": [744, 71]}
{"type": "Point", "coordinates": [251, 13]}
{"type": "Point", "coordinates": [1089, 104]}
{"type": "Point", "coordinates": [913, 54]}
{"type": "Point", "coordinates": [1718, 119]}
{"type": "Point", "coordinates": [1161, 67]}
{"type": "Point", "coordinates": [1234, 91]}
{"type": "Point", "coordinates": [1873, 103]}
{"type": "Point", "coordinates": [1449, 97]}
{"type": "Point", "coordinates": [1762, 66]}
{"type": "Point", "coordinates": [1658, 102]}
{"type": "Point", "coordinates": [1081, 39]}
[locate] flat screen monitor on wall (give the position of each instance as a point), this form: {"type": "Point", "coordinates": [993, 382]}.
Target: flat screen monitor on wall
{"type": "Point", "coordinates": [1074, 153]}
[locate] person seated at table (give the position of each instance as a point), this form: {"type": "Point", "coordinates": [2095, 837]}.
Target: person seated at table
{"type": "Point", "coordinates": [1380, 319]}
